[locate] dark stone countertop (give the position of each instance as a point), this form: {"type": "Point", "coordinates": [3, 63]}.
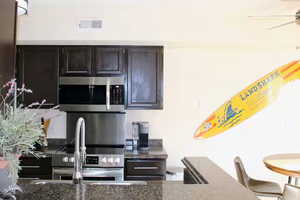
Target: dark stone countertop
{"type": "Point", "coordinates": [156, 150]}
{"type": "Point", "coordinates": [153, 153]}
{"type": "Point", "coordinates": [220, 186]}
{"type": "Point", "coordinates": [46, 152]}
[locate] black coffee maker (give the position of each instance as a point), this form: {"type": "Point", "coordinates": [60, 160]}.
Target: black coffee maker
{"type": "Point", "coordinates": [143, 142]}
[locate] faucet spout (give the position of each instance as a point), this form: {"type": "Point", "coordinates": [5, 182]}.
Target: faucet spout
{"type": "Point", "coordinates": [80, 151]}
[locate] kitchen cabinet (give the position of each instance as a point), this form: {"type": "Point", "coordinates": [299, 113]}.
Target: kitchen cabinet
{"type": "Point", "coordinates": [191, 175]}
{"type": "Point", "coordinates": [142, 67]}
{"type": "Point", "coordinates": [188, 178]}
{"type": "Point", "coordinates": [145, 169]}
{"type": "Point", "coordinates": [38, 70]}
{"type": "Point", "coordinates": [76, 61]}
{"type": "Point", "coordinates": [145, 78]}
{"type": "Point", "coordinates": [108, 60]}
{"type": "Point", "coordinates": [35, 168]}
{"type": "Point", "coordinates": [92, 61]}
{"type": "Point", "coordinates": [7, 40]}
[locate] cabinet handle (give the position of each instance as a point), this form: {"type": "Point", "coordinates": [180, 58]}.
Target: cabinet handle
{"type": "Point", "coordinates": [145, 168]}
{"type": "Point", "coordinates": [29, 178]}
{"type": "Point", "coordinates": [108, 94]}
{"type": "Point", "coordinates": [28, 167]}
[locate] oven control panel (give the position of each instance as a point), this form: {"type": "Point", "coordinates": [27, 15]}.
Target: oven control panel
{"type": "Point", "coordinates": [92, 160]}
{"type": "Point", "coordinates": [104, 160]}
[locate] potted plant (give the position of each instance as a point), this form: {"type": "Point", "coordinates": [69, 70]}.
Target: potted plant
{"type": "Point", "coordinates": [20, 128]}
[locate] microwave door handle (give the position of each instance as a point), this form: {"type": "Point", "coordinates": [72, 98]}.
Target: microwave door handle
{"type": "Point", "coordinates": [108, 94]}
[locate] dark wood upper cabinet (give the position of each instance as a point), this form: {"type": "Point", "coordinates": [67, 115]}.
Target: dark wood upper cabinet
{"type": "Point", "coordinates": [7, 40]}
{"type": "Point", "coordinates": [40, 66]}
{"type": "Point", "coordinates": [145, 78]}
{"type": "Point", "coordinates": [76, 61]}
{"type": "Point", "coordinates": [108, 61]}
{"type": "Point", "coordinates": [38, 70]}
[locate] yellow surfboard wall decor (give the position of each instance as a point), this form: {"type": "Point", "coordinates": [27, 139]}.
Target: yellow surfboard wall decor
{"type": "Point", "coordinates": [249, 101]}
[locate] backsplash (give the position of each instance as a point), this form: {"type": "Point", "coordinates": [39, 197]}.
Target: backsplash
{"type": "Point", "coordinates": [57, 126]}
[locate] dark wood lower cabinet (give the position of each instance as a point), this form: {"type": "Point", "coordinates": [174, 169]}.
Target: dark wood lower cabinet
{"type": "Point", "coordinates": [35, 168]}
{"type": "Point", "coordinates": [145, 169]}
{"type": "Point", "coordinates": [188, 177]}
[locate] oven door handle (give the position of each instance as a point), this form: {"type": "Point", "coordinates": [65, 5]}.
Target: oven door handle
{"type": "Point", "coordinates": [90, 172]}
{"type": "Point", "coordinates": [63, 171]}
{"type": "Point", "coordinates": [108, 94]}
{"type": "Point", "coordinates": [102, 172]}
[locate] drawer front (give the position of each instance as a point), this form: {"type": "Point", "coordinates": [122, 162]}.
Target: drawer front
{"type": "Point", "coordinates": [35, 176]}
{"type": "Point", "coordinates": [145, 178]}
{"type": "Point", "coordinates": [145, 167]}
{"type": "Point", "coordinates": [35, 166]}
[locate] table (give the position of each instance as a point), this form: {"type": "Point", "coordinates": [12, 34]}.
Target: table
{"type": "Point", "coordinates": [286, 164]}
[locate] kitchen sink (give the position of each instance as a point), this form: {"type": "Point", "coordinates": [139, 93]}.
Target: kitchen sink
{"type": "Point", "coordinates": [43, 182]}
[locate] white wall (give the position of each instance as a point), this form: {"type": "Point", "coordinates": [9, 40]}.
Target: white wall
{"type": "Point", "coordinates": [194, 21]}
{"type": "Point", "coordinates": [198, 81]}
{"type": "Point", "coordinates": [212, 51]}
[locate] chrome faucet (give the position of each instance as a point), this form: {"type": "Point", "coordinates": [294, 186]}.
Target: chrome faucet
{"type": "Point", "coordinates": [80, 152]}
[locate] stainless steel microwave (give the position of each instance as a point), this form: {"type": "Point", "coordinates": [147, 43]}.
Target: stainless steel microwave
{"type": "Point", "coordinates": [91, 94]}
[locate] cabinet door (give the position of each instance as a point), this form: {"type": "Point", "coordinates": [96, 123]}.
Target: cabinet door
{"type": "Point", "coordinates": [108, 60]}
{"type": "Point", "coordinates": [188, 177]}
{"type": "Point", "coordinates": [76, 61]}
{"type": "Point", "coordinates": [7, 40]}
{"type": "Point", "coordinates": [142, 167]}
{"type": "Point", "coordinates": [38, 70]}
{"type": "Point", "coordinates": [145, 78]}
{"type": "Point", "coordinates": [34, 168]}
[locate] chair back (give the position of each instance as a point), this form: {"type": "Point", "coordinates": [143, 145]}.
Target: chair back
{"type": "Point", "coordinates": [242, 176]}
{"type": "Point", "coordinates": [291, 192]}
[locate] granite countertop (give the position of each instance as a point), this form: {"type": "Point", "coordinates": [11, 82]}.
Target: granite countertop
{"type": "Point", "coordinates": [46, 152]}
{"type": "Point", "coordinates": [220, 186]}
{"type": "Point", "coordinates": [153, 153]}
{"type": "Point", "coordinates": [156, 150]}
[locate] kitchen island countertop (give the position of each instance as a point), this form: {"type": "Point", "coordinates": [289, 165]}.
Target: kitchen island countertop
{"type": "Point", "coordinates": [220, 186]}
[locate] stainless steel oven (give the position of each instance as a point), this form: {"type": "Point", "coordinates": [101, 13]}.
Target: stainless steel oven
{"type": "Point", "coordinates": [97, 167]}
{"type": "Point", "coordinates": [90, 174]}
{"type": "Point", "coordinates": [91, 94]}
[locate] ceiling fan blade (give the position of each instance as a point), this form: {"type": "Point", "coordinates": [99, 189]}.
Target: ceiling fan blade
{"type": "Point", "coordinates": [265, 16]}
{"type": "Point", "coordinates": [281, 25]}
